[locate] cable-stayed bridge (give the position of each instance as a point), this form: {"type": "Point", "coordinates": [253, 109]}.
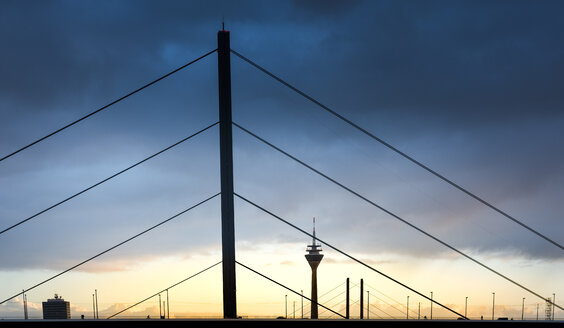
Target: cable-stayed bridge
{"type": "Point", "coordinates": [332, 307]}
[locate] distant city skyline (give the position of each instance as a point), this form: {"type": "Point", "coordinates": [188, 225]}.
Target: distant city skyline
{"type": "Point", "coordinates": [471, 89]}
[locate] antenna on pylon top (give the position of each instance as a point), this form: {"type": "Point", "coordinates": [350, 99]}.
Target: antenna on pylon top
{"type": "Point", "coordinates": [313, 230]}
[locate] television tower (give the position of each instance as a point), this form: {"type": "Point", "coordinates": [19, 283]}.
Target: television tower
{"type": "Point", "coordinates": [313, 258]}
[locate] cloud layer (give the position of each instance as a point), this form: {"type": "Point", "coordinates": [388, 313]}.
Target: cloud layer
{"type": "Point", "coordinates": [470, 88]}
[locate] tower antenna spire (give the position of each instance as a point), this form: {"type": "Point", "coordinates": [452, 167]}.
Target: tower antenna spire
{"type": "Point", "coordinates": [313, 231]}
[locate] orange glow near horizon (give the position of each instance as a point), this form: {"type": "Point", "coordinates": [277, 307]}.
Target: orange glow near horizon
{"type": "Point", "coordinates": [258, 297]}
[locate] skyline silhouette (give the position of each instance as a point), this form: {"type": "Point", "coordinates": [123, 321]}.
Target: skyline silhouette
{"type": "Point", "coordinates": [441, 90]}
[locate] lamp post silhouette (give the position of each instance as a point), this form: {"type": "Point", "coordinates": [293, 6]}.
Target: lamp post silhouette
{"type": "Point", "coordinates": [286, 306]}
{"type": "Point", "coordinates": [431, 305]}
{"type": "Point", "coordinates": [407, 309]}
{"type": "Point", "coordinates": [302, 304]}
{"type": "Point", "coordinates": [466, 307]}
{"type": "Point", "coordinates": [493, 305]}
{"type": "Point", "coordinates": [368, 304]}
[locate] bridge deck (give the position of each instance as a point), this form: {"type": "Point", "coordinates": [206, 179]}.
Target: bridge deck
{"type": "Point", "coordinates": [269, 322]}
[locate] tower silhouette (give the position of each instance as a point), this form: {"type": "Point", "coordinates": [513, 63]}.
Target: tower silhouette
{"type": "Point", "coordinates": [314, 257]}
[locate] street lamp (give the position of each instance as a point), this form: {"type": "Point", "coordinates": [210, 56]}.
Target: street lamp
{"type": "Point", "coordinates": [553, 301]}
{"type": "Point", "coordinates": [493, 305]}
{"type": "Point", "coordinates": [302, 304]}
{"type": "Point", "coordinates": [286, 301]}
{"type": "Point", "coordinates": [407, 312]}
{"type": "Point", "coordinates": [466, 307]}
{"type": "Point", "coordinates": [167, 306]}
{"type": "Point", "coordinates": [431, 305]}
{"type": "Point", "coordinates": [368, 305]}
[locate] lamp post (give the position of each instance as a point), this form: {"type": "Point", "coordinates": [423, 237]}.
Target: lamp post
{"type": "Point", "coordinates": [466, 307]}
{"type": "Point", "coordinates": [286, 302]}
{"type": "Point", "coordinates": [97, 313]}
{"type": "Point", "coordinates": [368, 305]}
{"type": "Point", "coordinates": [302, 304]}
{"type": "Point", "coordinates": [431, 305]}
{"type": "Point", "coordinates": [167, 306]}
{"type": "Point", "coordinates": [493, 305]}
{"type": "Point", "coordinates": [407, 312]}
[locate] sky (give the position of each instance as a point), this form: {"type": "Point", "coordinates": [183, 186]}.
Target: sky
{"type": "Point", "coordinates": [471, 89]}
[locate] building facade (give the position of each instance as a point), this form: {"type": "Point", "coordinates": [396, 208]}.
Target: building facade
{"type": "Point", "coordinates": [56, 308]}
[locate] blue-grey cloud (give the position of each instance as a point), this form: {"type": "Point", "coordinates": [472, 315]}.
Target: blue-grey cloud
{"type": "Point", "coordinates": [470, 88]}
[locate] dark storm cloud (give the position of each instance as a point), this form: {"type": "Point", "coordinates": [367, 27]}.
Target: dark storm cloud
{"type": "Point", "coordinates": [458, 60]}
{"type": "Point", "coordinates": [55, 51]}
{"type": "Point", "coordinates": [449, 59]}
{"type": "Point", "coordinates": [329, 9]}
{"type": "Point", "coordinates": [472, 88]}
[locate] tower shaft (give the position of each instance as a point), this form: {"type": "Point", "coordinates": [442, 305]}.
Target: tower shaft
{"type": "Point", "coordinates": [226, 168]}
{"type": "Point", "coordinates": [314, 312]}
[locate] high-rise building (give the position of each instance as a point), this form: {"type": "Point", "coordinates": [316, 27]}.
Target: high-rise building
{"type": "Point", "coordinates": [314, 257]}
{"type": "Point", "coordinates": [56, 308]}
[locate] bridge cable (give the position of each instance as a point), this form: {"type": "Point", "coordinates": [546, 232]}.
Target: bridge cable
{"type": "Point", "coordinates": [332, 298]}
{"type": "Point", "coordinates": [355, 285]}
{"type": "Point", "coordinates": [392, 214]}
{"type": "Point", "coordinates": [347, 255]}
{"type": "Point", "coordinates": [111, 248]}
{"type": "Point", "coordinates": [428, 169]}
{"type": "Point", "coordinates": [351, 304]}
{"type": "Point", "coordinates": [376, 314]}
{"type": "Point", "coordinates": [324, 294]}
{"type": "Point", "coordinates": [108, 105]}
{"type": "Point", "coordinates": [108, 178]}
{"type": "Point", "coordinates": [390, 305]}
{"type": "Point", "coordinates": [288, 288]}
{"type": "Point", "coordinates": [394, 300]}
{"type": "Point", "coordinates": [166, 289]}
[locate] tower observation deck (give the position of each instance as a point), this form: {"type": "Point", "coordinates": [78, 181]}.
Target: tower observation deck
{"type": "Point", "coordinates": [314, 257]}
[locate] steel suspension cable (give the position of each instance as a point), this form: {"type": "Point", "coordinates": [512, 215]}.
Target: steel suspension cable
{"type": "Point", "coordinates": [107, 179]}
{"type": "Point", "coordinates": [347, 255]}
{"type": "Point", "coordinates": [332, 298]}
{"type": "Point", "coordinates": [413, 160]}
{"type": "Point", "coordinates": [111, 248]}
{"type": "Point", "coordinates": [350, 305]}
{"type": "Point", "coordinates": [108, 105]}
{"type": "Point", "coordinates": [287, 288]}
{"type": "Point", "coordinates": [388, 304]}
{"type": "Point", "coordinates": [324, 294]}
{"type": "Point", "coordinates": [376, 314]}
{"type": "Point", "coordinates": [332, 289]}
{"type": "Point", "coordinates": [392, 214]}
{"type": "Point", "coordinates": [385, 295]}
{"type": "Point", "coordinates": [162, 291]}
